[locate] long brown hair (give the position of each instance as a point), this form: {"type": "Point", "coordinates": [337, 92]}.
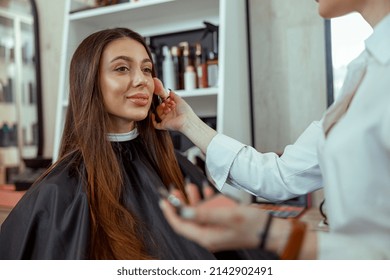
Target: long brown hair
{"type": "Point", "coordinates": [113, 227]}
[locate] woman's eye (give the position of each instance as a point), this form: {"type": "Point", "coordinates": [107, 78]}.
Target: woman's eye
{"type": "Point", "coordinates": [148, 70]}
{"type": "Point", "coordinates": [122, 69]}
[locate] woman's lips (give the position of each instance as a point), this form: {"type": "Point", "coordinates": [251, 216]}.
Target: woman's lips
{"type": "Point", "coordinates": [139, 99]}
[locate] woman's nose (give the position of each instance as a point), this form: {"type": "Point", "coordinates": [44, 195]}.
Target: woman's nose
{"type": "Point", "coordinates": [139, 79]}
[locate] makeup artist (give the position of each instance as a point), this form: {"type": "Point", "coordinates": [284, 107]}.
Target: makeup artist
{"type": "Point", "coordinates": [347, 153]}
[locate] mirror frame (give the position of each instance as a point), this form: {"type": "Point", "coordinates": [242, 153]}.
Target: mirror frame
{"type": "Point", "coordinates": [38, 76]}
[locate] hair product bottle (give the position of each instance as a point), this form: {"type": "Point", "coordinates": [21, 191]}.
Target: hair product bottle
{"type": "Point", "coordinates": [212, 58]}
{"type": "Point", "coordinates": [185, 57]}
{"type": "Point", "coordinates": [169, 77]}
{"type": "Point", "coordinates": [212, 69]}
{"type": "Point", "coordinates": [178, 67]}
{"type": "Point", "coordinates": [201, 66]}
{"type": "Point", "coordinates": [5, 136]}
{"type": "Point", "coordinates": [189, 78]}
{"type": "Point", "coordinates": [185, 54]}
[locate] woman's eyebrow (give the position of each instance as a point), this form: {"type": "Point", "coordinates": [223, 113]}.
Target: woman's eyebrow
{"type": "Point", "coordinates": [123, 57]}
{"type": "Point", "coordinates": [129, 59]}
{"type": "Point", "coordinates": [147, 60]}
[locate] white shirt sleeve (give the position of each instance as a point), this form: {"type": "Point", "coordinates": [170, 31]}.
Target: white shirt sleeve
{"type": "Point", "coordinates": [267, 175]}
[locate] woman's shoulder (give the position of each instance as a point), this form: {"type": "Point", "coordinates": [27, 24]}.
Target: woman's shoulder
{"type": "Point", "coordinates": [63, 184]}
{"type": "Point", "coordinates": [52, 214]}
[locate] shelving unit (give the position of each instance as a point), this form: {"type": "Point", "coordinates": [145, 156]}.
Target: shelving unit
{"type": "Point", "coordinates": [229, 102]}
{"type": "Point", "coordinates": [17, 88]}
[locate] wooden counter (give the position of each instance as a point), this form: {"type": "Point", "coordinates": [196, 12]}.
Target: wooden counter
{"type": "Point", "coordinates": [8, 199]}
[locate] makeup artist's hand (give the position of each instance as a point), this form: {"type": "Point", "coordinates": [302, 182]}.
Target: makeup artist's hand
{"type": "Point", "coordinates": [193, 194]}
{"type": "Point", "coordinates": [173, 112]}
{"type": "Point", "coordinates": [219, 223]}
{"type": "Point", "coordinates": [217, 227]}
{"type": "Point", "coordinates": [167, 103]}
{"type": "Point", "coordinates": [208, 197]}
{"type": "Point", "coordinates": [216, 222]}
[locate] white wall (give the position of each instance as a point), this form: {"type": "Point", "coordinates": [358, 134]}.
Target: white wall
{"type": "Point", "coordinates": [288, 57]}
{"type": "Point", "coordinates": [51, 18]}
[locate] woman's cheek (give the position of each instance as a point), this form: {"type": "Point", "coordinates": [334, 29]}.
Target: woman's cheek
{"type": "Point", "coordinates": [151, 83]}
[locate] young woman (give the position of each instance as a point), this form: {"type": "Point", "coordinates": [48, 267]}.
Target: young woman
{"type": "Point", "coordinates": [347, 153]}
{"type": "Point", "coordinates": [100, 199]}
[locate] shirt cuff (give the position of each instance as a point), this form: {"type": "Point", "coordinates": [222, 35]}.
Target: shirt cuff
{"type": "Point", "coordinates": [220, 155]}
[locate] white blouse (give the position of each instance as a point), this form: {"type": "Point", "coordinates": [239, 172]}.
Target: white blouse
{"type": "Point", "coordinates": [352, 162]}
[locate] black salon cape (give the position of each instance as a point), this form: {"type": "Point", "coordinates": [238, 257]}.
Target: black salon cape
{"type": "Point", "coordinates": [52, 220]}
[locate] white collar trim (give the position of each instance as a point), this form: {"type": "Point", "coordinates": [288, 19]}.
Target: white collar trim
{"type": "Point", "coordinates": [122, 137]}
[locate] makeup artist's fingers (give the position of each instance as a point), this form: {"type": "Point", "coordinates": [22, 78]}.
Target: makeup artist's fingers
{"type": "Point", "coordinates": [160, 110]}
{"type": "Point", "coordinates": [168, 105]}
{"type": "Point", "coordinates": [164, 108]}
{"type": "Point", "coordinates": [159, 89]}
{"type": "Point", "coordinates": [157, 125]}
{"type": "Point", "coordinates": [213, 231]}
{"type": "Point", "coordinates": [210, 198]}
{"type": "Point", "coordinates": [207, 190]}
{"type": "Point", "coordinates": [193, 193]}
{"type": "Point", "coordinates": [179, 195]}
{"type": "Point", "coordinates": [162, 113]}
{"type": "Point", "coordinates": [190, 229]}
{"type": "Point", "coordinates": [218, 216]}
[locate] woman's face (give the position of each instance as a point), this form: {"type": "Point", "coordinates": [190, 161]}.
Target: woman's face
{"type": "Point", "coordinates": [336, 8]}
{"type": "Point", "coordinates": [126, 82]}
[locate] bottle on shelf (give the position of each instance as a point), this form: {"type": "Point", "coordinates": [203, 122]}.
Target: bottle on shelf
{"type": "Point", "coordinates": [8, 91]}
{"type": "Point", "coordinates": [201, 66]}
{"type": "Point", "coordinates": [13, 135]}
{"type": "Point", "coordinates": [7, 70]}
{"type": "Point", "coordinates": [178, 67]}
{"type": "Point", "coordinates": [185, 54]}
{"type": "Point", "coordinates": [189, 78]}
{"type": "Point", "coordinates": [185, 58]}
{"type": "Point", "coordinates": [11, 72]}
{"type": "Point", "coordinates": [212, 58]}
{"type": "Point", "coordinates": [5, 135]}
{"type": "Point", "coordinates": [169, 75]}
{"type": "Point", "coordinates": [212, 69]}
